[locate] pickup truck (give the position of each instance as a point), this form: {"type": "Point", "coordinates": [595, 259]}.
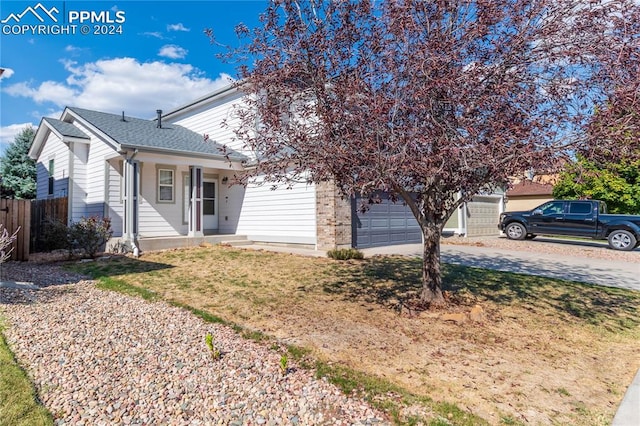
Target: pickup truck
{"type": "Point", "coordinates": [579, 218]}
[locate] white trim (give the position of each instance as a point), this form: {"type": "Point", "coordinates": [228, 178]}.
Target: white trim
{"type": "Point", "coordinates": [233, 87]}
{"type": "Point", "coordinates": [159, 184]}
{"type": "Point", "coordinates": [105, 137]}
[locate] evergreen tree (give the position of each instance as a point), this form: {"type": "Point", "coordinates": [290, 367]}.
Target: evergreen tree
{"type": "Point", "coordinates": [17, 170]}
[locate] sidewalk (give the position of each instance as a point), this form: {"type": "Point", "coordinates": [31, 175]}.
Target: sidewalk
{"type": "Point", "coordinates": [629, 410]}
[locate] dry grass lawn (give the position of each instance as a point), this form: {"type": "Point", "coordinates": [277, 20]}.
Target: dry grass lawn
{"type": "Point", "coordinates": [541, 351]}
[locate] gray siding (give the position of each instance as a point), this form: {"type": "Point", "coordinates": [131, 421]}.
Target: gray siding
{"type": "Point", "coordinates": [58, 151]}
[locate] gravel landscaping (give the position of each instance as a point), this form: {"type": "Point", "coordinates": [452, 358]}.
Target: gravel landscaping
{"type": "Point", "coordinates": [101, 358]}
{"type": "Point", "coordinates": [595, 249]}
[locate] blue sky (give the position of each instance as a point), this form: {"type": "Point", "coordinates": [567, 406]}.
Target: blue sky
{"type": "Point", "coordinates": [161, 59]}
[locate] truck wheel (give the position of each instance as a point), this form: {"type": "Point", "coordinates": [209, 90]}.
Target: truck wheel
{"type": "Point", "coordinates": [515, 231]}
{"type": "Point", "coordinates": [622, 240]}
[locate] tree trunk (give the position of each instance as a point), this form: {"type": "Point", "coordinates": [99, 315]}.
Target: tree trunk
{"type": "Point", "coordinates": [431, 274]}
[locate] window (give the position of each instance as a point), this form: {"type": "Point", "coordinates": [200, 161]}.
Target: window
{"type": "Point", "coordinates": [554, 207]}
{"type": "Point", "coordinates": [51, 179]}
{"type": "Point", "coordinates": [580, 208]}
{"type": "Point", "coordinates": [166, 185]}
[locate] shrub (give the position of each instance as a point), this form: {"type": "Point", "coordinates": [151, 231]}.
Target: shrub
{"type": "Point", "coordinates": [55, 235]}
{"type": "Point", "coordinates": [6, 242]}
{"type": "Point", "coordinates": [89, 235]}
{"type": "Point", "coordinates": [345, 254]}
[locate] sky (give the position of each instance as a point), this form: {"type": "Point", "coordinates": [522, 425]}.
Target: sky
{"type": "Point", "coordinates": [153, 55]}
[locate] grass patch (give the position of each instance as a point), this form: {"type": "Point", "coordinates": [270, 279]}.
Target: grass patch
{"type": "Point", "coordinates": [108, 283]}
{"type": "Point", "coordinates": [359, 314]}
{"type": "Point", "coordinates": [345, 254]}
{"type": "Point", "coordinates": [18, 403]}
{"type": "Point", "coordinates": [393, 399]}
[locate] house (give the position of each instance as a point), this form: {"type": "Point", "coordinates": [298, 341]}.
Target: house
{"type": "Point", "coordinates": [166, 182]}
{"type": "Point", "coordinates": [528, 194]}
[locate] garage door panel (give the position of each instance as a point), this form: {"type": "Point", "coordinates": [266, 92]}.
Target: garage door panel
{"type": "Point", "coordinates": [403, 237]}
{"type": "Point", "coordinates": [385, 224]}
{"type": "Point", "coordinates": [398, 223]}
{"type": "Point", "coordinates": [378, 223]}
{"type": "Point", "coordinates": [483, 217]}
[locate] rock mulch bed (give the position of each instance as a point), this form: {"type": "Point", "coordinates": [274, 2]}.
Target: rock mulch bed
{"type": "Point", "coordinates": [102, 358]}
{"type": "Point", "coordinates": [595, 249]}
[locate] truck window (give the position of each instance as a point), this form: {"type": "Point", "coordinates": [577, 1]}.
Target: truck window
{"type": "Point", "coordinates": [579, 208]}
{"type": "Point", "coordinates": [603, 208]}
{"type": "Point", "coordinates": [553, 207]}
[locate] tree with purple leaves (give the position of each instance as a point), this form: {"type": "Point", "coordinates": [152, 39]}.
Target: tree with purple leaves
{"type": "Point", "coordinates": [432, 102]}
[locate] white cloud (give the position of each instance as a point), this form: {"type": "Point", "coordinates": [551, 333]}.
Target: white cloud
{"type": "Point", "coordinates": [155, 34]}
{"type": "Point", "coordinates": [6, 73]}
{"type": "Point", "coordinates": [172, 51]}
{"type": "Point", "coordinates": [9, 133]}
{"type": "Point", "coordinates": [123, 84]}
{"type": "Point", "coordinates": [49, 91]}
{"type": "Point", "coordinates": [177, 27]}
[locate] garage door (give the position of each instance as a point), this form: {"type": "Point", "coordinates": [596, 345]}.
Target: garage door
{"type": "Point", "coordinates": [384, 224]}
{"type": "Point", "coordinates": [483, 216]}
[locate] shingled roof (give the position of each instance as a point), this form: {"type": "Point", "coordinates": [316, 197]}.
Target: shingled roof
{"type": "Point", "coordinates": [65, 129]}
{"type": "Point", "coordinates": [528, 187]}
{"type": "Point", "coordinates": [132, 132]}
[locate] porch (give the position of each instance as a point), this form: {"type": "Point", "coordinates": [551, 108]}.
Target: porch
{"type": "Point", "coordinates": [183, 241]}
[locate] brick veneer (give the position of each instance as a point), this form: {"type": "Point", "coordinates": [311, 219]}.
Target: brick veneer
{"type": "Point", "coordinates": [333, 217]}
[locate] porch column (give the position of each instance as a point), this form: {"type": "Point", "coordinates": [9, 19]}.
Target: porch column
{"type": "Point", "coordinates": [130, 222]}
{"type": "Point", "coordinates": [195, 202]}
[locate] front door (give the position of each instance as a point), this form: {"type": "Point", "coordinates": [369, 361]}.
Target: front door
{"type": "Point", "coordinates": [210, 204]}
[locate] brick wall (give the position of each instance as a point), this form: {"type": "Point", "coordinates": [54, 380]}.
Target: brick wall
{"type": "Point", "coordinates": [333, 217]}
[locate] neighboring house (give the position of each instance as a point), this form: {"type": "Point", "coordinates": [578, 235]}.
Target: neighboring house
{"type": "Point", "coordinates": [528, 194]}
{"type": "Point", "coordinates": [166, 183]}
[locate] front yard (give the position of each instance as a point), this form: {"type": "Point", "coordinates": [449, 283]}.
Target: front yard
{"type": "Point", "coordinates": [534, 351]}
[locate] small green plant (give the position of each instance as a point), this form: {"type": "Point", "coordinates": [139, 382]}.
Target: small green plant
{"type": "Point", "coordinates": [284, 363]}
{"type": "Point", "coordinates": [215, 352]}
{"type": "Point", "coordinates": [345, 254]}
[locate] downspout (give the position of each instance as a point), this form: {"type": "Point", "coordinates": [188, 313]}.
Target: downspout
{"type": "Point", "coordinates": [134, 241]}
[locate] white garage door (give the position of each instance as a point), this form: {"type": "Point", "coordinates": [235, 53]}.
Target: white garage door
{"type": "Point", "coordinates": [483, 216]}
{"type": "Point", "coordinates": [384, 224]}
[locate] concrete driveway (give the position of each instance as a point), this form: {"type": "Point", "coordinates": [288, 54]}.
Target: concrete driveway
{"type": "Point", "coordinates": [588, 270]}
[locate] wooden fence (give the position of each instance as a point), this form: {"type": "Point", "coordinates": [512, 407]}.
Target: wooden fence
{"type": "Point", "coordinates": [30, 217]}
{"type": "Point", "coordinates": [55, 209]}
{"type": "Point", "coordinates": [15, 215]}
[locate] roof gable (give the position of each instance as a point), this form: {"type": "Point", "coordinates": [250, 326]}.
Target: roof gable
{"type": "Point", "coordinates": [64, 129]}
